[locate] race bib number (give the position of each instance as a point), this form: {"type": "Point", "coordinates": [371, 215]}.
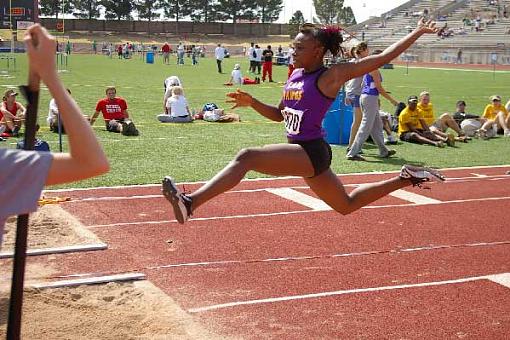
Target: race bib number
{"type": "Point", "coordinates": [292, 119]}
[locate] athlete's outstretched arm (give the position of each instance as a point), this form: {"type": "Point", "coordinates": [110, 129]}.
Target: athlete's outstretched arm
{"type": "Point", "coordinates": [243, 99]}
{"type": "Point", "coordinates": [332, 80]}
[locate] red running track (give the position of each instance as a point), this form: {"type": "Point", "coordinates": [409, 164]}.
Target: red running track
{"type": "Point", "coordinates": [252, 264]}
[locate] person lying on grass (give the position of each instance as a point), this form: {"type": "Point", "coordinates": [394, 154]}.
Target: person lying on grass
{"type": "Point", "coordinates": [307, 96]}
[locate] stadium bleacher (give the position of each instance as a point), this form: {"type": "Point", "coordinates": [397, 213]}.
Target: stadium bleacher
{"type": "Point", "coordinates": [458, 17]}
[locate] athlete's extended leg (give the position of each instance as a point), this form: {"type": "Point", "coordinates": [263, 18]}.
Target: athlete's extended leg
{"type": "Point", "coordinates": [276, 159]}
{"type": "Point", "coordinates": [330, 189]}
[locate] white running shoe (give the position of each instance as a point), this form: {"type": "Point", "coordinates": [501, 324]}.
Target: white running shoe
{"type": "Point", "coordinates": [180, 202]}
{"type": "Point", "coordinates": [420, 174]}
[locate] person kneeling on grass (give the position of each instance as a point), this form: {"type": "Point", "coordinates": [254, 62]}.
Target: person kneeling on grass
{"type": "Point", "coordinates": [307, 96]}
{"type": "Point", "coordinates": [236, 78]}
{"type": "Point", "coordinates": [115, 114]}
{"type": "Point", "coordinates": [409, 127]}
{"type": "Point", "coordinates": [497, 120]}
{"type": "Point", "coordinates": [176, 108]}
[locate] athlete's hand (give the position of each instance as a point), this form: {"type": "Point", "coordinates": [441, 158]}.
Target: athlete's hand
{"type": "Point", "coordinates": [347, 101]}
{"type": "Point", "coordinates": [240, 98]}
{"type": "Point", "coordinates": [428, 26]}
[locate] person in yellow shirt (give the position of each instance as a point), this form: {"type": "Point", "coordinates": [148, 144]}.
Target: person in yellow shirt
{"type": "Point", "coordinates": [498, 120]}
{"type": "Point", "coordinates": [438, 126]}
{"type": "Point", "coordinates": [409, 126]}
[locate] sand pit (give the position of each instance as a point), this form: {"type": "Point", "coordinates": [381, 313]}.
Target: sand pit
{"type": "Point", "coordinates": [131, 310]}
{"type": "Point", "coordinates": [51, 226]}
{"type": "Point", "coordinates": [137, 310]}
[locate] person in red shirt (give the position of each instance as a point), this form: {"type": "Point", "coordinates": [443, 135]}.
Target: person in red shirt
{"type": "Point", "coordinates": [166, 53]}
{"type": "Point", "coordinates": [115, 113]}
{"type": "Point", "coordinates": [12, 114]}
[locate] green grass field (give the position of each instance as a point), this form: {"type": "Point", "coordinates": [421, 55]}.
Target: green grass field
{"type": "Point", "coordinates": [192, 152]}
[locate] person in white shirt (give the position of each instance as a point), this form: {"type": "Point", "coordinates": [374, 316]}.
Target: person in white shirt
{"type": "Point", "coordinates": [252, 57]}
{"type": "Point", "coordinates": [177, 109]}
{"type": "Point", "coordinates": [290, 57]}
{"type": "Point", "coordinates": [236, 78]}
{"type": "Point", "coordinates": [53, 115]}
{"type": "Point", "coordinates": [169, 83]}
{"type": "Point", "coordinates": [219, 53]}
{"type": "Point", "coordinates": [180, 54]}
{"type": "Point", "coordinates": [258, 59]}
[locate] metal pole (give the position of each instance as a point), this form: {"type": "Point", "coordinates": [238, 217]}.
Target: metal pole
{"type": "Point", "coordinates": [10, 25]}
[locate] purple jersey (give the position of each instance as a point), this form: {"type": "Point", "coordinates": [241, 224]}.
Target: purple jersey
{"type": "Point", "coordinates": [304, 106]}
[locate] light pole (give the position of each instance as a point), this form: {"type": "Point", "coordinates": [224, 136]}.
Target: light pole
{"type": "Point", "coordinates": [10, 25]}
{"type": "Point", "coordinates": [63, 11]}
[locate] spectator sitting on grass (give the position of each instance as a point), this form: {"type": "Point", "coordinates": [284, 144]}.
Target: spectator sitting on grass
{"type": "Point", "coordinates": [177, 109]}
{"type": "Point", "coordinates": [12, 114]}
{"type": "Point", "coordinates": [469, 123]}
{"type": "Point", "coordinates": [497, 120]}
{"type": "Point", "coordinates": [169, 83]}
{"type": "Point", "coordinates": [409, 127]}
{"type": "Point", "coordinates": [53, 116]}
{"type": "Point", "coordinates": [115, 114]}
{"type": "Point", "coordinates": [438, 126]}
{"type": "Point", "coordinates": [237, 78]}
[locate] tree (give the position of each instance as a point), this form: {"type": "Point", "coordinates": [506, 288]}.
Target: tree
{"type": "Point", "coordinates": [202, 10]}
{"type": "Point", "coordinates": [328, 10]}
{"type": "Point", "coordinates": [236, 9]}
{"type": "Point", "coordinates": [346, 17]}
{"type": "Point", "coordinates": [270, 10]}
{"type": "Point", "coordinates": [175, 9]}
{"type": "Point", "coordinates": [147, 9]}
{"type": "Point", "coordinates": [297, 20]}
{"type": "Point", "coordinates": [117, 9]}
{"type": "Point", "coordinates": [87, 9]}
{"type": "Point", "coordinates": [54, 7]}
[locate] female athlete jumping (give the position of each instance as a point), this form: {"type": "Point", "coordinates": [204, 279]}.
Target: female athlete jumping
{"type": "Point", "coordinates": [307, 96]}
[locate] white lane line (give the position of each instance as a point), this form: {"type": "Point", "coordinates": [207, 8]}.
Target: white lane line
{"type": "Point", "coordinates": [334, 293]}
{"type": "Point", "coordinates": [479, 175]}
{"type": "Point", "coordinates": [58, 250]}
{"type": "Point", "coordinates": [331, 256]}
{"type": "Point", "coordinates": [301, 198]}
{"type": "Point", "coordinates": [413, 197]}
{"type": "Point", "coordinates": [123, 187]}
{"type": "Point", "coordinates": [121, 224]}
{"type": "Point", "coordinates": [90, 281]}
{"type": "Point", "coordinates": [148, 196]}
{"type": "Point", "coordinates": [502, 279]}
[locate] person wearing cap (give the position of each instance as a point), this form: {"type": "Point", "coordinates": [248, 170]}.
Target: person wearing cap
{"type": "Point", "coordinates": [236, 78]}
{"type": "Point", "coordinates": [469, 123]}
{"type": "Point", "coordinates": [498, 120]}
{"type": "Point", "coordinates": [12, 114]}
{"type": "Point", "coordinates": [115, 113]}
{"type": "Point", "coordinates": [409, 126]}
{"type": "Point", "coordinates": [438, 126]}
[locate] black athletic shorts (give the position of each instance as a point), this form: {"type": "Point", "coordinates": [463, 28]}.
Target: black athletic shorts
{"type": "Point", "coordinates": [319, 152]}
